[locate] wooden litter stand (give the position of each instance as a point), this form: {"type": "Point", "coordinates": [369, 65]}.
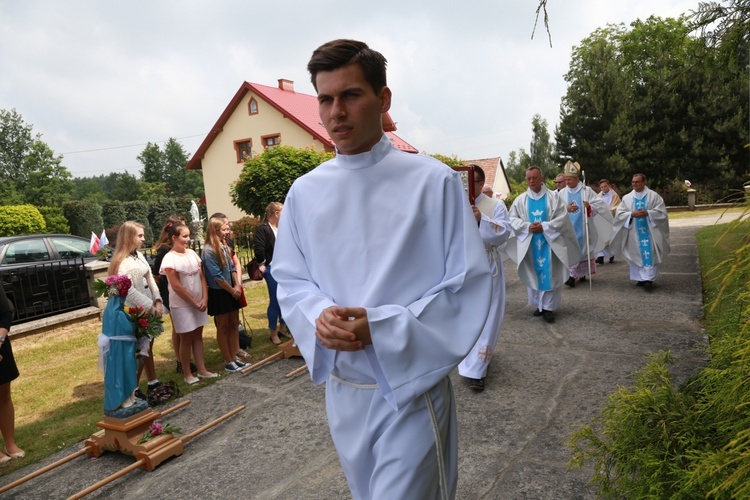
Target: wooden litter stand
{"type": "Point", "coordinates": [123, 436]}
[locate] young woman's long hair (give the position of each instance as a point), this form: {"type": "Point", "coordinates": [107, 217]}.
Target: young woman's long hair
{"type": "Point", "coordinates": [127, 241]}
{"type": "Point", "coordinates": [164, 239]}
{"type": "Point", "coordinates": [215, 240]}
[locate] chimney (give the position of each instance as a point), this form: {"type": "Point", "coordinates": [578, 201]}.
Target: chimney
{"type": "Point", "coordinates": [286, 85]}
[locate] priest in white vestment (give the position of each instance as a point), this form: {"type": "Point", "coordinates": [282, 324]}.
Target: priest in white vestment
{"type": "Point", "coordinates": [383, 279]}
{"type": "Point", "coordinates": [612, 200]}
{"type": "Point", "coordinates": [641, 232]}
{"type": "Point", "coordinates": [494, 228]}
{"type": "Point", "coordinates": [590, 217]}
{"type": "Point", "coordinates": [543, 245]}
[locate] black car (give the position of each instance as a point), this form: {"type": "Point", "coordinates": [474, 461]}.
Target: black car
{"type": "Point", "coordinates": [43, 273]}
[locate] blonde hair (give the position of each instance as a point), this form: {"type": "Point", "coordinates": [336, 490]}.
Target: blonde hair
{"type": "Point", "coordinates": [127, 241]}
{"type": "Point", "coordinates": [214, 238]}
{"type": "Point", "coordinates": [271, 208]}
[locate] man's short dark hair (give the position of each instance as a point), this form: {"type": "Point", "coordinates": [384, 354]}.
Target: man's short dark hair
{"type": "Point", "coordinates": [218, 215]}
{"type": "Point", "coordinates": [339, 53]}
{"type": "Point", "coordinates": [478, 172]}
{"type": "Point", "coordinates": [642, 176]}
{"type": "Point", "coordinates": [604, 180]}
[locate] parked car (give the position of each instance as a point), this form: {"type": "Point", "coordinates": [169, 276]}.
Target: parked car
{"type": "Point", "coordinates": [43, 273]}
{"type": "Point", "coordinates": [17, 251]}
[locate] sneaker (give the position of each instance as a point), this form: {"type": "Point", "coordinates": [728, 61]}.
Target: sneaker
{"type": "Point", "coordinates": [231, 367]}
{"type": "Point", "coordinates": [476, 383]}
{"type": "Point", "coordinates": [240, 363]}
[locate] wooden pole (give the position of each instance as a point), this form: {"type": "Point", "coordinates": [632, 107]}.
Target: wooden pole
{"type": "Point", "coordinates": [44, 469]}
{"type": "Point", "coordinates": [297, 371]}
{"type": "Point", "coordinates": [175, 407]}
{"type": "Point", "coordinates": [108, 479]}
{"type": "Point", "coordinates": [263, 362]}
{"type": "Point", "coordinates": [188, 437]}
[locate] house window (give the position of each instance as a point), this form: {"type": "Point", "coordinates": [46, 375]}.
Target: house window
{"type": "Point", "coordinates": [244, 149]}
{"type": "Point", "coordinates": [253, 106]}
{"type": "Point", "coordinates": [270, 141]}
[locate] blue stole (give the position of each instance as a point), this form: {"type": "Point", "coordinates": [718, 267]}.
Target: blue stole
{"type": "Point", "coordinates": [577, 219]}
{"type": "Point", "coordinates": [644, 234]}
{"type": "Point", "coordinates": [540, 249]}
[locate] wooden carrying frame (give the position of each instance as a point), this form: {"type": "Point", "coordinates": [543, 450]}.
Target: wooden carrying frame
{"type": "Point", "coordinates": [467, 179]}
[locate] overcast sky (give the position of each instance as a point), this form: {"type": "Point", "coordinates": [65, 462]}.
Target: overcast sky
{"type": "Point", "coordinates": [100, 79]}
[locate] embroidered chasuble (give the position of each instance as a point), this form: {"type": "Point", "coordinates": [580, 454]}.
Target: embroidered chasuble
{"type": "Point", "coordinates": [540, 249]}
{"type": "Point", "coordinates": [577, 219]}
{"type": "Point", "coordinates": [644, 234]}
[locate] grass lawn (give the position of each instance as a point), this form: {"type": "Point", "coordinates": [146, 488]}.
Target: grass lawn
{"type": "Point", "coordinates": [59, 396]}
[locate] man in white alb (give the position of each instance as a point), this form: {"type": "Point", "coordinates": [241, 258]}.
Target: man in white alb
{"type": "Point", "coordinates": [612, 200]}
{"type": "Point", "coordinates": [383, 279]}
{"type": "Point", "coordinates": [494, 228]}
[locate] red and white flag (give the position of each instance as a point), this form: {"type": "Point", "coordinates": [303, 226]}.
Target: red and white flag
{"type": "Point", "coordinates": [94, 245]}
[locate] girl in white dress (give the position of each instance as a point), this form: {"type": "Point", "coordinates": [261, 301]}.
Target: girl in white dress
{"type": "Point", "coordinates": [188, 297]}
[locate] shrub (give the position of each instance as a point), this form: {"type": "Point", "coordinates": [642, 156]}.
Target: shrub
{"type": "Point", "coordinates": [268, 176]}
{"type": "Point", "coordinates": [113, 213]}
{"type": "Point", "coordinates": [138, 211]}
{"type": "Point", "coordinates": [55, 220]}
{"type": "Point", "coordinates": [244, 229]}
{"type": "Point", "coordinates": [21, 219]}
{"type": "Point", "coordinates": [84, 217]}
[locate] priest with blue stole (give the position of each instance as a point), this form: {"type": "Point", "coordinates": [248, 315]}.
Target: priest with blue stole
{"type": "Point", "coordinates": [543, 244]}
{"type": "Point", "coordinates": [641, 232]}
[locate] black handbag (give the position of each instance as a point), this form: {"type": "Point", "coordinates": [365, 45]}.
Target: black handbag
{"type": "Point", "coordinates": [253, 270]}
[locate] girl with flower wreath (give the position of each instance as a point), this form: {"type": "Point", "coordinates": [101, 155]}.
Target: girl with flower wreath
{"type": "Point", "coordinates": [189, 300]}
{"type": "Point", "coordinates": [143, 292]}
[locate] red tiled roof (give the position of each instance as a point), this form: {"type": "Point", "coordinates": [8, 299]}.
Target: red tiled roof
{"type": "Point", "coordinates": [300, 108]}
{"type": "Point", "coordinates": [490, 166]}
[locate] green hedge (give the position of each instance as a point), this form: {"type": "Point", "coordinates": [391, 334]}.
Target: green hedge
{"type": "Point", "coordinates": [55, 220]}
{"type": "Point", "coordinates": [113, 213]}
{"type": "Point", "coordinates": [84, 217]}
{"type": "Point", "coordinates": [21, 219]}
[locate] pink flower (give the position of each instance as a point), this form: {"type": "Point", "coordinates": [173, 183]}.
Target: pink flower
{"type": "Point", "coordinates": [687, 183]}
{"type": "Point", "coordinates": [156, 429]}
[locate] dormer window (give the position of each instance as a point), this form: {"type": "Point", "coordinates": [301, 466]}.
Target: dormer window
{"type": "Point", "coordinates": [270, 141]}
{"type": "Point", "coordinates": [244, 150]}
{"type": "Point", "coordinates": [252, 107]}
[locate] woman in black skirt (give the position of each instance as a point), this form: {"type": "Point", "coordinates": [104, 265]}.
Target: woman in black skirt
{"type": "Point", "coordinates": [224, 292]}
{"type": "Point", "coordinates": [8, 373]}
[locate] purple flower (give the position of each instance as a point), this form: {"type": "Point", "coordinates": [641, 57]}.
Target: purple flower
{"type": "Point", "coordinates": [156, 429]}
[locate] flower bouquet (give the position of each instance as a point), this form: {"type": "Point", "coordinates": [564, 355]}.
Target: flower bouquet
{"type": "Point", "coordinates": [113, 286]}
{"type": "Point", "coordinates": [157, 429]}
{"type": "Point", "coordinates": [148, 325]}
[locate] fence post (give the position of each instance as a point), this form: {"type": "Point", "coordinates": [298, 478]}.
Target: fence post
{"type": "Point", "coordinates": [691, 194]}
